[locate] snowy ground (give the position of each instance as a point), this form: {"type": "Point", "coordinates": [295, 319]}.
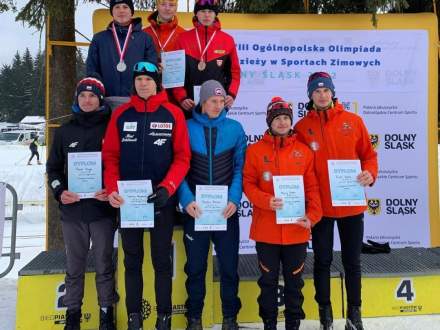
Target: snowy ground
{"type": "Point", "coordinates": [29, 183]}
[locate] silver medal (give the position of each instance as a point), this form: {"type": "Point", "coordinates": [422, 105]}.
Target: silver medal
{"type": "Point", "coordinates": [121, 67]}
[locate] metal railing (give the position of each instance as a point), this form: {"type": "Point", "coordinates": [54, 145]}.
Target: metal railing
{"type": "Point", "coordinates": [15, 208]}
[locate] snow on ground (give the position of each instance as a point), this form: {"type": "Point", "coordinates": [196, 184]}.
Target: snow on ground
{"type": "Point", "coordinates": [29, 183]}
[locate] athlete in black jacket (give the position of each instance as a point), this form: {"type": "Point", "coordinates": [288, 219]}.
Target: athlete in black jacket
{"type": "Point", "coordinates": [84, 220]}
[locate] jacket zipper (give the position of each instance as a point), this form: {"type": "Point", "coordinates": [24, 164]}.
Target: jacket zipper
{"type": "Point", "coordinates": [210, 156]}
{"type": "Point", "coordinates": [277, 161]}
{"type": "Point", "coordinates": [143, 139]}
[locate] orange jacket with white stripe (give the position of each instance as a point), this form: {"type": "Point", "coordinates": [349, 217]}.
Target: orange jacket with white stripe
{"type": "Point", "coordinates": [279, 156]}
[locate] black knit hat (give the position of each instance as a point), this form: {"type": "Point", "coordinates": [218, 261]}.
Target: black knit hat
{"type": "Point", "coordinates": [93, 84]}
{"type": "Point", "coordinates": [129, 3]}
{"type": "Point", "coordinates": [278, 107]}
{"type": "Point", "coordinates": [206, 4]}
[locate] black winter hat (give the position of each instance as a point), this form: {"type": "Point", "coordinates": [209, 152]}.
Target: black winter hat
{"type": "Point", "coordinates": [206, 4]}
{"type": "Point", "coordinates": [129, 3]}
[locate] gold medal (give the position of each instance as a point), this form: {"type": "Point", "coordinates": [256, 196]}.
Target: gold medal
{"type": "Point", "coordinates": [201, 66]}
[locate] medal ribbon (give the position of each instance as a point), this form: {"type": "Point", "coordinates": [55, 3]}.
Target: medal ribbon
{"type": "Point", "coordinates": [122, 52]}
{"type": "Point", "coordinates": [207, 45]}
{"type": "Point", "coordinates": [162, 48]}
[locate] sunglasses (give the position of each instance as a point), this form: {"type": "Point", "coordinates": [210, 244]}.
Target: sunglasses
{"type": "Point", "coordinates": [319, 74]}
{"type": "Point", "coordinates": [207, 2]}
{"type": "Point", "coordinates": [145, 67]}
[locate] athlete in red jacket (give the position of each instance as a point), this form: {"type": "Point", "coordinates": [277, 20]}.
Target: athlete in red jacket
{"type": "Point", "coordinates": [147, 139]}
{"type": "Point", "coordinates": [280, 153]}
{"type": "Point", "coordinates": [334, 133]}
{"type": "Point", "coordinates": [210, 54]}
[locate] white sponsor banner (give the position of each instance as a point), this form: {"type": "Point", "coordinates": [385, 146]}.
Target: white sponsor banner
{"type": "Point", "coordinates": [2, 213]}
{"type": "Point", "coordinates": [382, 76]}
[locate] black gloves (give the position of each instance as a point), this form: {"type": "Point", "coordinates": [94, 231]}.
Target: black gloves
{"type": "Point", "coordinates": [159, 197]}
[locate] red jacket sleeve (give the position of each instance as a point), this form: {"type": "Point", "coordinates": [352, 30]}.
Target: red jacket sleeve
{"type": "Point", "coordinates": [181, 153]}
{"type": "Point", "coordinates": [235, 72]}
{"type": "Point", "coordinates": [179, 93]}
{"type": "Point", "coordinates": [366, 152]}
{"type": "Point", "coordinates": [111, 153]}
{"type": "Point", "coordinates": [311, 190]}
{"type": "Point", "coordinates": [251, 173]}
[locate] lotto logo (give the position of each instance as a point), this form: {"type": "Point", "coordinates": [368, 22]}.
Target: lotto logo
{"type": "Point", "coordinates": [158, 125]}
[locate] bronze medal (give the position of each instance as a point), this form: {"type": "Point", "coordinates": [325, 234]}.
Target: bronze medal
{"type": "Point", "coordinates": [201, 66]}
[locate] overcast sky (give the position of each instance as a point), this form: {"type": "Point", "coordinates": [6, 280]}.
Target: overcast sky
{"type": "Point", "coordinates": [15, 36]}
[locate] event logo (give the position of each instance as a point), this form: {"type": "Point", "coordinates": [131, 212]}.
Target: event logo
{"type": "Point", "coordinates": [374, 138]}
{"type": "Point", "coordinates": [400, 141]}
{"type": "Point", "coordinates": [146, 309]}
{"type": "Point", "coordinates": [59, 296]}
{"type": "Point", "coordinates": [374, 207]}
{"type": "Point", "coordinates": [301, 109]}
{"type": "Point", "coordinates": [253, 138]}
{"type": "Point", "coordinates": [352, 106]}
{"type": "Point", "coordinates": [245, 209]}
{"type": "Point", "coordinates": [401, 206]}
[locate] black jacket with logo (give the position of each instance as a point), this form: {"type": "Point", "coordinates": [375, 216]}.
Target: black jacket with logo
{"type": "Point", "coordinates": [83, 133]}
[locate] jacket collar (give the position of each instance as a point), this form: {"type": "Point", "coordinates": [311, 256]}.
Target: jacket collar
{"type": "Point", "coordinates": [278, 141]}
{"type": "Point", "coordinates": [205, 120]}
{"type": "Point", "coordinates": [152, 19]}
{"type": "Point", "coordinates": [137, 25]}
{"type": "Point", "coordinates": [149, 105]}
{"type": "Point", "coordinates": [90, 119]}
{"type": "Point", "coordinates": [329, 113]}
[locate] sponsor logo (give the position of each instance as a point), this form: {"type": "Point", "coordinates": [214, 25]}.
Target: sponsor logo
{"type": "Point", "coordinates": [160, 142]}
{"type": "Point", "coordinates": [73, 144]}
{"type": "Point", "coordinates": [218, 92]}
{"type": "Point", "coordinates": [160, 134]}
{"type": "Point", "coordinates": [374, 207]}
{"type": "Point", "coordinates": [346, 128]}
{"type": "Point", "coordinates": [219, 51]}
{"type": "Point", "coordinates": [374, 138]}
{"type": "Point", "coordinates": [245, 209]}
{"type": "Point", "coordinates": [352, 106]}
{"type": "Point", "coordinates": [297, 154]}
{"type": "Point", "coordinates": [130, 126]}
{"type": "Point", "coordinates": [401, 206]}
{"type": "Point", "coordinates": [400, 141]}
{"type": "Point", "coordinates": [267, 176]}
{"type": "Point", "coordinates": [314, 146]}
{"type": "Point", "coordinates": [159, 125]}
{"type": "Point", "coordinates": [55, 184]}
{"type": "Point", "coordinates": [129, 138]}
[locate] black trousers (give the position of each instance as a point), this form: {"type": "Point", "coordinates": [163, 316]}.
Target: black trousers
{"type": "Point", "coordinates": [132, 244]}
{"type": "Point", "coordinates": [351, 233]}
{"type": "Point", "coordinates": [292, 258]}
{"type": "Point", "coordinates": [34, 153]}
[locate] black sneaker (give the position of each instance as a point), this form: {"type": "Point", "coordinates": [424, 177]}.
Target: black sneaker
{"type": "Point", "coordinates": [106, 319]}
{"type": "Point", "coordinates": [163, 322]}
{"type": "Point", "coordinates": [194, 324]}
{"type": "Point", "coordinates": [73, 319]}
{"type": "Point", "coordinates": [270, 324]}
{"type": "Point", "coordinates": [229, 323]}
{"type": "Point", "coordinates": [135, 321]}
{"type": "Point", "coordinates": [292, 324]}
{"type": "Point", "coordinates": [326, 317]}
{"type": "Point", "coordinates": [354, 319]}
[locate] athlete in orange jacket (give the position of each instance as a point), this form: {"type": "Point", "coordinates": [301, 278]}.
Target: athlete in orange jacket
{"type": "Point", "coordinates": [164, 27]}
{"type": "Point", "coordinates": [333, 133]}
{"type": "Point", "coordinates": [280, 153]}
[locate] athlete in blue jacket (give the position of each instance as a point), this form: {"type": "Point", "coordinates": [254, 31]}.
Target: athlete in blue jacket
{"type": "Point", "coordinates": [218, 146]}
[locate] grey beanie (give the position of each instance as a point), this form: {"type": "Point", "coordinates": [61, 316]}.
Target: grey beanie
{"type": "Point", "coordinates": [211, 88]}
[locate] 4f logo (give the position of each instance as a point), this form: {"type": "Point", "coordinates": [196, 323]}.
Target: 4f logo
{"type": "Point", "coordinates": [374, 206]}
{"type": "Point", "coordinates": [160, 142]}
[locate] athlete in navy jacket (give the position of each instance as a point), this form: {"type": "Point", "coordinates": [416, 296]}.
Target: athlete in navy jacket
{"type": "Point", "coordinates": [147, 139]}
